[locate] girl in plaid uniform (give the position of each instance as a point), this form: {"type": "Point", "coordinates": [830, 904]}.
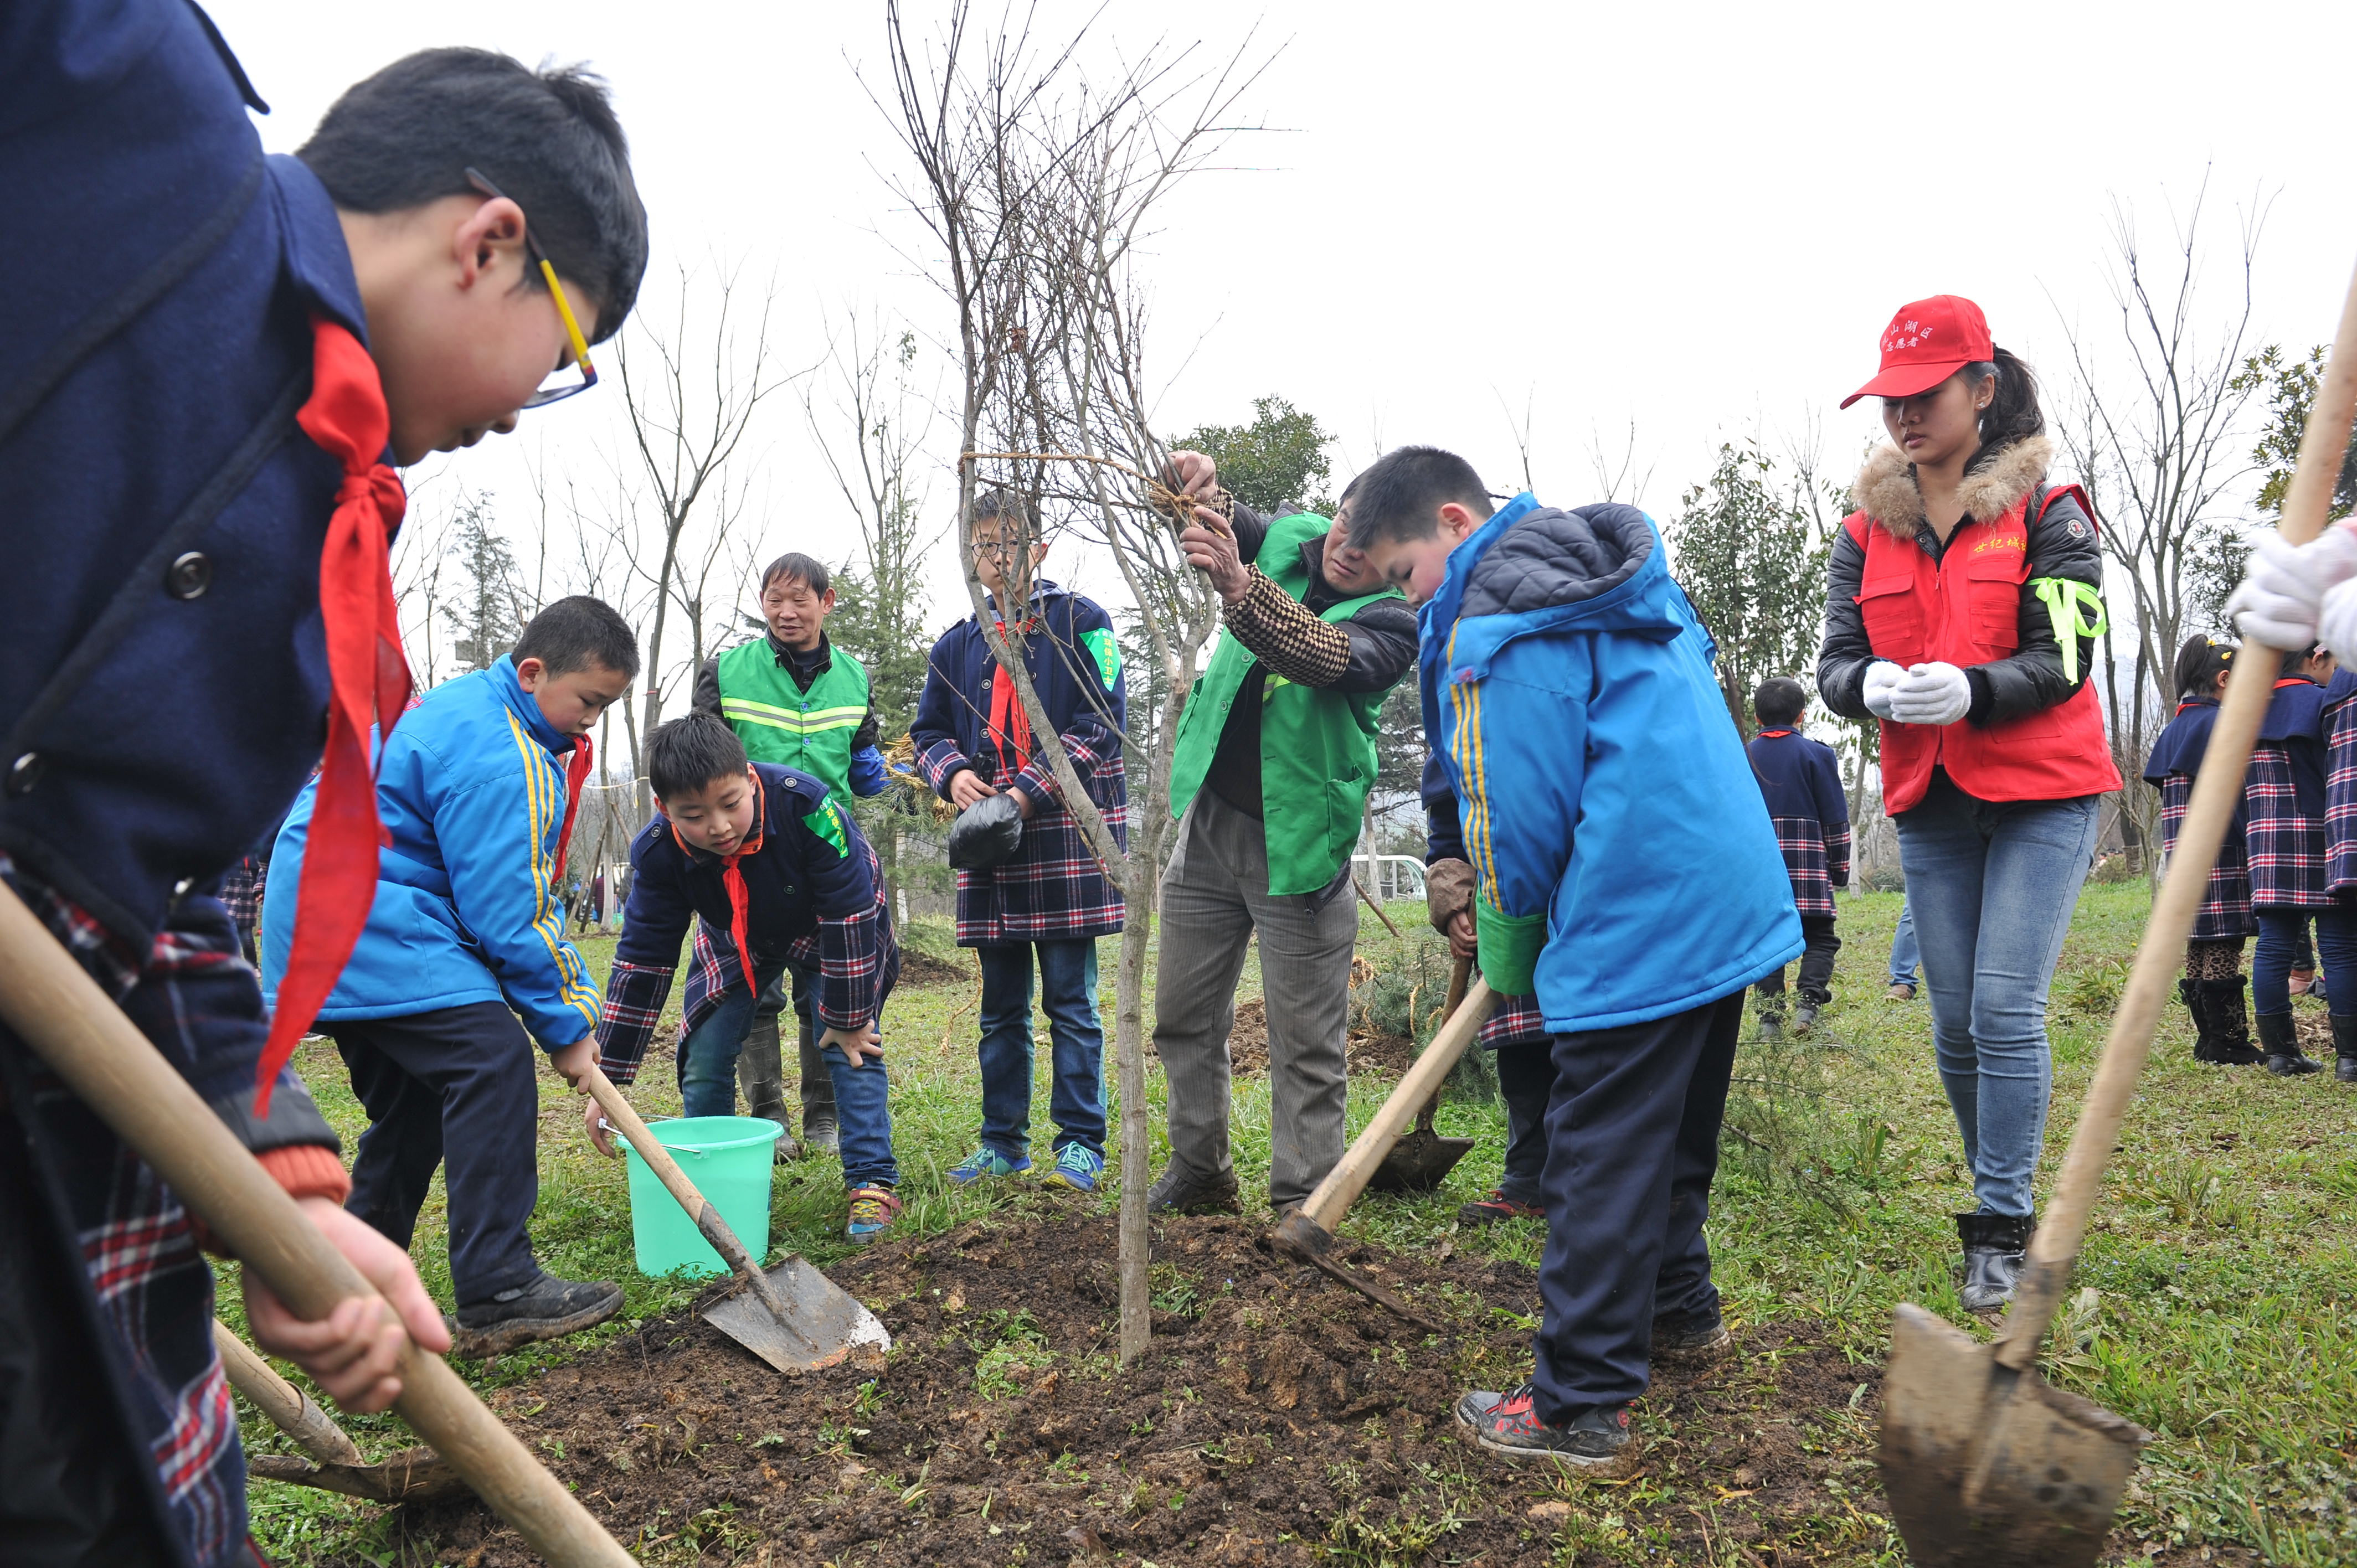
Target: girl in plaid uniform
{"type": "Point", "coordinates": [2213, 987]}
{"type": "Point", "coordinates": [2283, 804]}
{"type": "Point", "coordinates": [1801, 782]}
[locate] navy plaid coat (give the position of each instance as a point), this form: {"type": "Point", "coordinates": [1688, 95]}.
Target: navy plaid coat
{"type": "Point", "coordinates": [2341, 783]}
{"type": "Point", "coordinates": [1053, 889]}
{"type": "Point", "coordinates": [2283, 802]}
{"type": "Point", "coordinates": [2176, 760]}
{"type": "Point", "coordinates": [1801, 781]}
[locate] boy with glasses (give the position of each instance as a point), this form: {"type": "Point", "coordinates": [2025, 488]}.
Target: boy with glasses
{"type": "Point", "coordinates": [213, 359]}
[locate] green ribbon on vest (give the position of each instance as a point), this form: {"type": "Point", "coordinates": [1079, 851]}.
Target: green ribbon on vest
{"type": "Point", "coordinates": [1317, 747]}
{"type": "Point", "coordinates": [779, 722]}
{"type": "Point", "coordinates": [2067, 600]}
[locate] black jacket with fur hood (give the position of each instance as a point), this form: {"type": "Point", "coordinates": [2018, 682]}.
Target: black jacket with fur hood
{"type": "Point", "coordinates": [2061, 545]}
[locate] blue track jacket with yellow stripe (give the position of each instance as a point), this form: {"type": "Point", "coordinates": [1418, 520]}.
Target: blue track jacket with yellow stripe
{"type": "Point", "coordinates": [1626, 869]}
{"type": "Point", "coordinates": [472, 795]}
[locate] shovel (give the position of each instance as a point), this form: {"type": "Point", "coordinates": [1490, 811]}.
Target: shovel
{"type": "Point", "coordinates": [1419, 1162]}
{"type": "Point", "coordinates": [413, 1476]}
{"type": "Point", "coordinates": [795, 1318]}
{"type": "Point", "coordinates": [1984, 1463]}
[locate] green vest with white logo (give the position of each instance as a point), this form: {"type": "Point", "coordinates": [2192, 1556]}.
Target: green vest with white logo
{"type": "Point", "coordinates": [779, 722]}
{"type": "Point", "coordinates": [1317, 747]}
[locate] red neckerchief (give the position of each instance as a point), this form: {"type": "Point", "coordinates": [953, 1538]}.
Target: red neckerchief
{"type": "Point", "coordinates": [347, 417]}
{"type": "Point", "coordinates": [1774, 734]}
{"type": "Point", "coordinates": [576, 773]}
{"type": "Point", "coordinates": [733, 880]}
{"type": "Point", "coordinates": [1010, 724]}
{"type": "Point", "coordinates": [2295, 681]}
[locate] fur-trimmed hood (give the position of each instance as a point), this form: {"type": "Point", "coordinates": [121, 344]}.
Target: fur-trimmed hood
{"type": "Point", "coordinates": [1886, 489]}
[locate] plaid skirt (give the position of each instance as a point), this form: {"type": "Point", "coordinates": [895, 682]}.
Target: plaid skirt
{"type": "Point", "coordinates": [2225, 913]}
{"type": "Point", "coordinates": [2341, 800]}
{"type": "Point", "coordinates": [2285, 847]}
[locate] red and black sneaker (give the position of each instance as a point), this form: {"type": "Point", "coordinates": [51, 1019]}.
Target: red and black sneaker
{"type": "Point", "coordinates": [1496, 1208]}
{"type": "Point", "coordinates": [1597, 1439]}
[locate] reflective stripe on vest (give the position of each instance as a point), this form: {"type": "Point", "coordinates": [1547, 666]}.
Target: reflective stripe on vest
{"type": "Point", "coordinates": [778, 721]}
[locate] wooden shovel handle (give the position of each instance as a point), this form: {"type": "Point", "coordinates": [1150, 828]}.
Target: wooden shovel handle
{"type": "Point", "coordinates": [1357, 1167]}
{"type": "Point", "coordinates": [70, 1023]}
{"type": "Point", "coordinates": [715, 1230]}
{"type": "Point", "coordinates": [1459, 978]}
{"type": "Point", "coordinates": [2217, 788]}
{"type": "Point", "coordinates": [288, 1407]}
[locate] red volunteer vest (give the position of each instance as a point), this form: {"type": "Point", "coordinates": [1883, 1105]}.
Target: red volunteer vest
{"type": "Point", "coordinates": [1965, 610]}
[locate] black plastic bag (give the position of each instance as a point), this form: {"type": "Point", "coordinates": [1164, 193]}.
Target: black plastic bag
{"type": "Point", "coordinates": [986, 833]}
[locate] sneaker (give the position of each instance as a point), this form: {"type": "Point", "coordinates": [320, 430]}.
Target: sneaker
{"type": "Point", "coordinates": [1175, 1192]}
{"type": "Point", "coordinates": [1596, 1439]}
{"type": "Point", "coordinates": [1690, 1344]}
{"type": "Point", "coordinates": [873, 1209]}
{"type": "Point", "coordinates": [1077, 1168]}
{"type": "Point", "coordinates": [987, 1162]}
{"type": "Point", "coordinates": [1804, 1017]}
{"type": "Point", "coordinates": [1496, 1208]}
{"type": "Point", "coordinates": [1900, 991]}
{"type": "Point", "coordinates": [548, 1308]}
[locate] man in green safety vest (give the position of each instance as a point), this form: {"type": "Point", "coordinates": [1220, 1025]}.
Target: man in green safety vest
{"type": "Point", "coordinates": [792, 698]}
{"type": "Point", "coordinates": [1275, 756]}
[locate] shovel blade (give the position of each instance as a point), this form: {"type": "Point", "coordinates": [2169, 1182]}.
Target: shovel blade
{"type": "Point", "coordinates": [1989, 1469]}
{"type": "Point", "coordinates": [413, 1476]}
{"type": "Point", "coordinates": [829, 1327]}
{"type": "Point", "coordinates": [1418, 1162]}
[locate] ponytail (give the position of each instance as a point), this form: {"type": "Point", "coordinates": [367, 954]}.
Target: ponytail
{"type": "Point", "coordinates": [2013, 413]}
{"type": "Point", "coordinates": [2199, 664]}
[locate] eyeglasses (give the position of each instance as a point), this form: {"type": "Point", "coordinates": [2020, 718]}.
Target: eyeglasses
{"type": "Point", "coordinates": [548, 394]}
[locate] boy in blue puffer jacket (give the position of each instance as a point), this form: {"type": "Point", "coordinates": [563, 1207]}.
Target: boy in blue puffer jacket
{"type": "Point", "coordinates": [1626, 872]}
{"type": "Point", "coordinates": [476, 789]}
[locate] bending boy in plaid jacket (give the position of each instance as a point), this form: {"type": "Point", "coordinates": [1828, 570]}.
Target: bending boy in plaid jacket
{"type": "Point", "coordinates": [1802, 783]}
{"type": "Point", "coordinates": [973, 741]}
{"type": "Point", "coordinates": [781, 879]}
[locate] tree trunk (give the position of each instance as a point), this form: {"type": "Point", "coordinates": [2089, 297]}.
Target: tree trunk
{"type": "Point", "coordinates": [1136, 1140]}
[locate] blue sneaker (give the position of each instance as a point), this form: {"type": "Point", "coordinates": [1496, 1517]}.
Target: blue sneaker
{"type": "Point", "coordinates": [987, 1162]}
{"type": "Point", "coordinates": [1077, 1168]}
{"type": "Point", "coordinates": [873, 1209]}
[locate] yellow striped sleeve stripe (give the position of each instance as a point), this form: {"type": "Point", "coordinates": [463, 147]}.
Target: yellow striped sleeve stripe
{"type": "Point", "coordinates": [545, 811]}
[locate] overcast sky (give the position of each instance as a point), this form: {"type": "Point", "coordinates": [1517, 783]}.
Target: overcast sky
{"type": "Point", "coordinates": [1696, 217]}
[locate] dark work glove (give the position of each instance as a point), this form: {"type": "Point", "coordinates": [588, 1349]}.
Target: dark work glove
{"type": "Point", "coordinates": [986, 833]}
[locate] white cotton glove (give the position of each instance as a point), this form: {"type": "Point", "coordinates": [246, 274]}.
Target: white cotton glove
{"type": "Point", "coordinates": [2336, 622]}
{"type": "Point", "coordinates": [2286, 584]}
{"type": "Point", "coordinates": [1935, 694]}
{"type": "Point", "coordinates": [1882, 678]}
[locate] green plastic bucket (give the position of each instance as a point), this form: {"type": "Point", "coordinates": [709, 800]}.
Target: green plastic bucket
{"type": "Point", "coordinates": [728, 1158]}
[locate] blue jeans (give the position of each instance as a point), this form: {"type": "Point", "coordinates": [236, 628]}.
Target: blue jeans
{"type": "Point", "coordinates": [2283, 947]}
{"type": "Point", "coordinates": [707, 1084]}
{"type": "Point", "coordinates": [1992, 885]}
{"type": "Point", "coordinates": [1906, 958]}
{"type": "Point", "coordinates": [1068, 985]}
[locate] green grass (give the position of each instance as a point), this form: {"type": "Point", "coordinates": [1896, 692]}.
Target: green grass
{"type": "Point", "coordinates": [2223, 1263]}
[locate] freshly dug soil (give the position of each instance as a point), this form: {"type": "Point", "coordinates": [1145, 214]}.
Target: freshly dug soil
{"type": "Point", "coordinates": [918, 967]}
{"type": "Point", "coordinates": [1280, 1414]}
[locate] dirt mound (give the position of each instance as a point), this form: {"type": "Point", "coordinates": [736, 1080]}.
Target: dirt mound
{"type": "Point", "coordinates": [1278, 1417]}
{"type": "Point", "coordinates": [918, 967]}
{"type": "Point", "coordinates": [1387, 1054]}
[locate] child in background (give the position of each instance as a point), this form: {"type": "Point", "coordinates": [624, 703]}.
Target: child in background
{"type": "Point", "coordinates": [1516, 1031]}
{"type": "Point", "coordinates": [2213, 987]}
{"type": "Point", "coordinates": [477, 786]}
{"type": "Point", "coordinates": [1801, 781]}
{"type": "Point", "coordinates": [2283, 802]}
{"type": "Point", "coordinates": [1051, 899]}
{"type": "Point", "coordinates": [780, 879]}
{"type": "Point", "coordinates": [1626, 874]}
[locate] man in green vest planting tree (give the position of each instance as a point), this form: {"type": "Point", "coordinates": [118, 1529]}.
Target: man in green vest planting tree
{"type": "Point", "coordinates": [794, 699]}
{"type": "Point", "coordinates": [1276, 754]}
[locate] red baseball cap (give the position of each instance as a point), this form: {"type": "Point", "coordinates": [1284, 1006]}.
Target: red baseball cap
{"type": "Point", "coordinates": [1927, 342]}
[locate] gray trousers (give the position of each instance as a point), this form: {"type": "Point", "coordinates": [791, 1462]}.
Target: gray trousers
{"type": "Point", "coordinates": [1214, 898]}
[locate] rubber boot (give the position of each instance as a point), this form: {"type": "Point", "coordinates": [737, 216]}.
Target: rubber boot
{"type": "Point", "coordinates": [821, 1131]}
{"type": "Point", "coordinates": [2344, 1046]}
{"type": "Point", "coordinates": [1995, 1246]}
{"type": "Point", "coordinates": [1772, 1017]}
{"type": "Point", "coordinates": [2281, 1043]}
{"type": "Point", "coordinates": [2227, 1023]}
{"type": "Point", "coordinates": [762, 1077]}
{"type": "Point", "coordinates": [2189, 993]}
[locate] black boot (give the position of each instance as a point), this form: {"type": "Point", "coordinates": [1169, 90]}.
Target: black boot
{"type": "Point", "coordinates": [821, 1129]}
{"type": "Point", "coordinates": [2281, 1043]}
{"type": "Point", "coordinates": [1995, 1246]}
{"type": "Point", "coordinates": [2226, 1023]}
{"type": "Point", "coordinates": [2344, 1046]}
{"type": "Point", "coordinates": [2189, 993]}
{"type": "Point", "coordinates": [762, 1077]}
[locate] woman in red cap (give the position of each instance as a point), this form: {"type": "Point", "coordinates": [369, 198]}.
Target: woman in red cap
{"type": "Point", "coordinates": [1962, 612]}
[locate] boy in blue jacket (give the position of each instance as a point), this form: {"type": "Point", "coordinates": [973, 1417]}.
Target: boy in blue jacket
{"type": "Point", "coordinates": [1801, 780]}
{"type": "Point", "coordinates": [1625, 873]}
{"type": "Point", "coordinates": [477, 786]}
{"type": "Point", "coordinates": [781, 880]}
{"type": "Point", "coordinates": [202, 396]}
